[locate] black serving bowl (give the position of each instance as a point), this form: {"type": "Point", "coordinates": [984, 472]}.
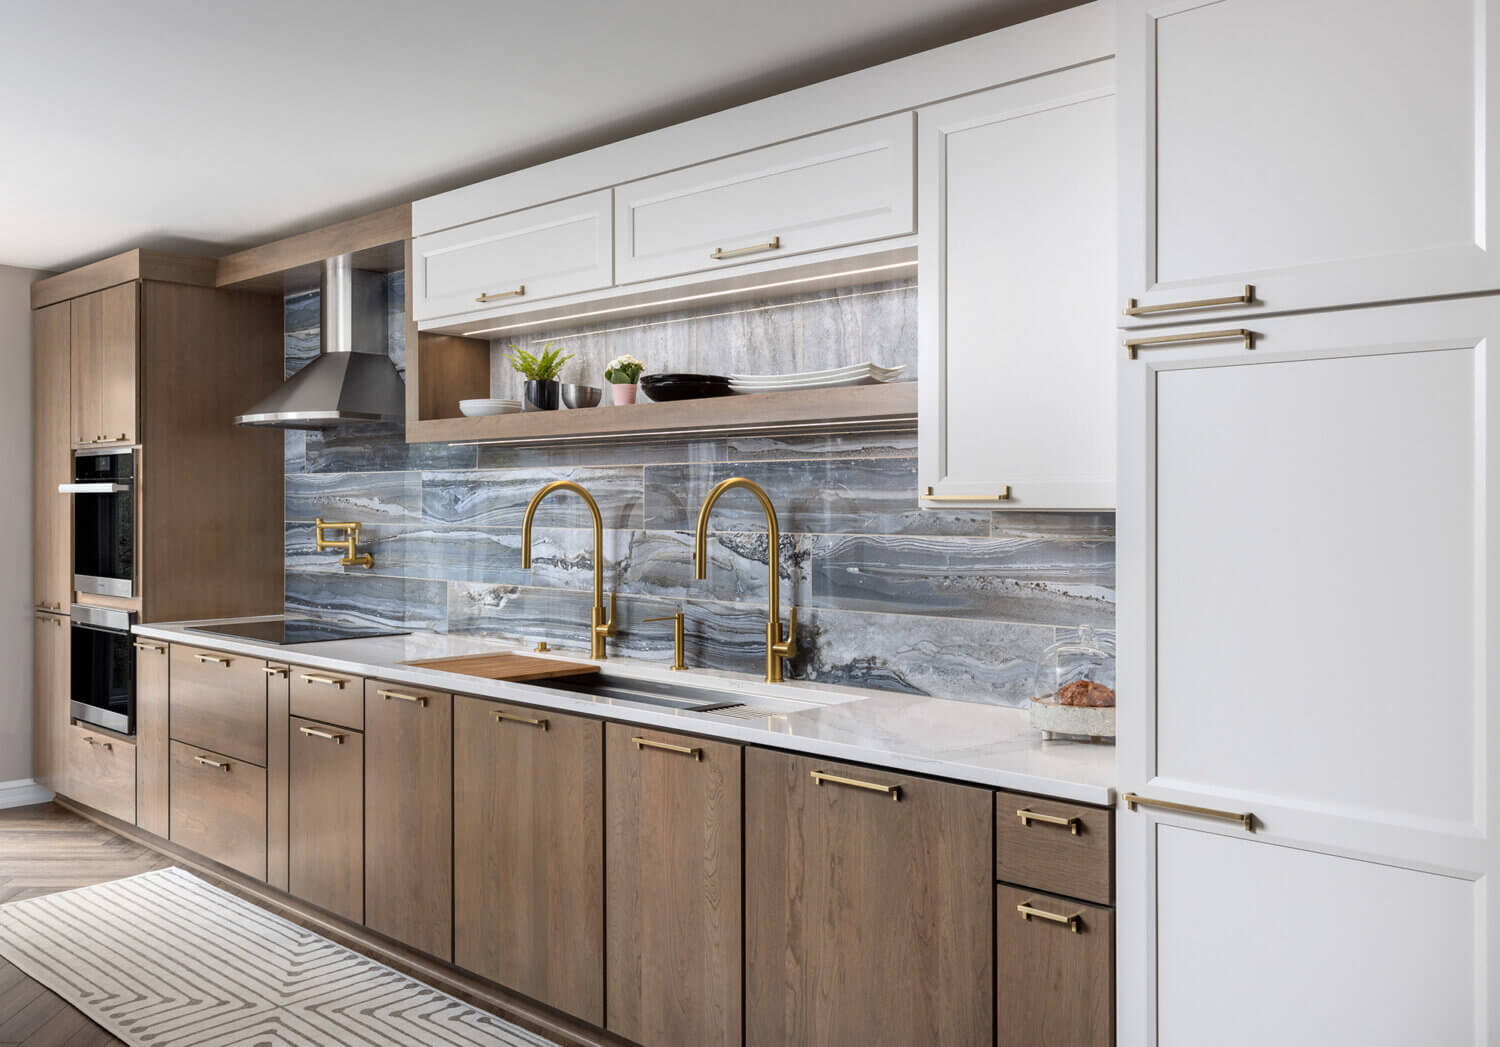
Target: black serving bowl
{"type": "Point", "coordinates": [685, 386]}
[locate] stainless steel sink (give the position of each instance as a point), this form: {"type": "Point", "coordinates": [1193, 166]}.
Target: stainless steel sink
{"type": "Point", "coordinates": [647, 692]}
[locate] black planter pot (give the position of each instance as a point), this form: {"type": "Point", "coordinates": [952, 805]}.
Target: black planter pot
{"type": "Point", "coordinates": [542, 396]}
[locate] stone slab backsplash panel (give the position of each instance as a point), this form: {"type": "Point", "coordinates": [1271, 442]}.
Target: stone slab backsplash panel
{"type": "Point", "coordinates": [954, 603]}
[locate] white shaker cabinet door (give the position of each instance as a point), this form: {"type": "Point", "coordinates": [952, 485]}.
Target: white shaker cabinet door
{"type": "Point", "coordinates": [1306, 543]}
{"type": "Point", "coordinates": [1322, 152]}
{"type": "Point", "coordinates": [1017, 248]}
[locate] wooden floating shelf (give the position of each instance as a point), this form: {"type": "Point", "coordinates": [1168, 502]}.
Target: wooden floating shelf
{"type": "Point", "coordinates": [802, 410]}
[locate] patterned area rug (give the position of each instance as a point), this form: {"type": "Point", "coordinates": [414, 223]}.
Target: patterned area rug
{"type": "Point", "coordinates": [165, 958]}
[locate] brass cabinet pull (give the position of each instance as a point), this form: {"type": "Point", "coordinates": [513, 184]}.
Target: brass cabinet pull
{"type": "Point", "coordinates": [216, 764]}
{"type": "Point", "coordinates": [686, 750]}
{"type": "Point", "coordinates": [527, 720]}
{"type": "Point", "coordinates": [719, 253]}
{"type": "Point", "coordinates": [155, 648]}
{"type": "Point", "coordinates": [274, 670]}
{"type": "Point", "coordinates": [490, 297]}
{"type": "Point", "coordinates": [326, 681]}
{"type": "Point", "coordinates": [313, 732]}
{"type": "Point", "coordinates": [1003, 496]}
{"type": "Point", "coordinates": [893, 791]}
{"type": "Point", "coordinates": [49, 618]}
{"type": "Point", "coordinates": [413, 698]}
{"type": "Point", "coordinates": [96, 742]}
{"type": "Point", "coordinates": [1027, 816]}
{"type": "Point", "coordinates": [1246, 819]}
{"type": "Point", "coordinates": [1134, 344]}
{"type": "Point", "coordinates": [44, 606]}
{"type": "Point", "coordinates": [212, 660]}
{"type": "Point", "coordinates": [1245, 297]}
{"type": "Point", "coordinates": [1027, 911]}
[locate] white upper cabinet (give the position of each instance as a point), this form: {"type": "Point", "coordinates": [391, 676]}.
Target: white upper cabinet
{"type": "Point", "coordinates": [1322, 152]}
{"type": "Point", "coordinates": [827, 190]}
{"type": "Point", "coordinates": [1017, 254]}
{"type": "Point", "coordinates": [542, 252]}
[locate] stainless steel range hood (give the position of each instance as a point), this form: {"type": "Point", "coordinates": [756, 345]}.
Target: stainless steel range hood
{"type": "Point", "coordinates": [353, 379]}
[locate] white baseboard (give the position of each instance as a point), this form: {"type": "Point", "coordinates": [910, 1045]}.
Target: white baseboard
{"type": "Point", "coordinates": [22, 792]}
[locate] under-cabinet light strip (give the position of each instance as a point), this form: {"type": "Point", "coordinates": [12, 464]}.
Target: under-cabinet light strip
{"type": "Point", "coordinates": [890, 424]}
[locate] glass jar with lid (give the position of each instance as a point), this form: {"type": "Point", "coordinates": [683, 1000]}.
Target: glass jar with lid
{"type": "Point", "coordinates": [1073, 691]}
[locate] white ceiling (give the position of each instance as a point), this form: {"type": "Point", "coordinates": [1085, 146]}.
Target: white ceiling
{"type": "Point", "coordinates": [209, 125]}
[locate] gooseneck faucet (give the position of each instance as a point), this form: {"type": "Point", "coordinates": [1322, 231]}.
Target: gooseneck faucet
{"type": "Point", "coordinates": [599, 626]}
{"type": "Point", "coordinates": [776, 648]}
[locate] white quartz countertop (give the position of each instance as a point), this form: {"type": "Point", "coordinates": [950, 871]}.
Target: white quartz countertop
{"type": "Point", "coordinates": [963, 741]}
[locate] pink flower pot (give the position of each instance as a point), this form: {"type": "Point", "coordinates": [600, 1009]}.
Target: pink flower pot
{"type": "Point", "coordinates": [624, 394]}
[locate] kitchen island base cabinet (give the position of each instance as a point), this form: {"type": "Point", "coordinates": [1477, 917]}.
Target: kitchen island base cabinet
{"type": "Point", "coordinates": [325, 852]}
{"type": "Point", "coordinates": [869, 902]}
{"type": "Point", "coordinates": [1054, 971]}
{"type": "Point", "coordinates": [218, 808]}
{"type": "Point", "coordinates": [528, 852]}
{"type": "Point", "coordinates": [673, 898]}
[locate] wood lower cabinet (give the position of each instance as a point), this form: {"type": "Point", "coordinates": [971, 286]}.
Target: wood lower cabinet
{"type": "Point", "coordinates": [1054, 971]}
{"type": "Point", "coordinates": [153, 753]}
{"type": "Point", "coordinates": [325, 851]}
{"type": "Point", "coordinates": [528, 869]}
{"type": "Point", "coordinates": [218, 808]}
{"type": "Point", "coordinates": [101, 771]}
{"type": "Point", "coordinates": [105, 365]}
{"type": "Point", "coordinates": [51, 670]}
{"type": "Point", "coordinates": [409, 816]}
{"type": "Point", "coordinates": [51, 511]}
{"type": "Point", "coordinates": [219, 702]}
{"type": "Point", "coordinates": [673, 892]}
{"type": "Point", "coordinates": [869, 906]}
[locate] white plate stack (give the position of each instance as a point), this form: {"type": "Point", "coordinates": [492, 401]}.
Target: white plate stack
{"type": "Point", "coordinates": [476, 408]}
{"type": "Point", "coordinates": [865, 373]}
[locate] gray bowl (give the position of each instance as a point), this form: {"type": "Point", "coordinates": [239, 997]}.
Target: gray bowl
{"type": "Point", "coordinates": [575, 396]}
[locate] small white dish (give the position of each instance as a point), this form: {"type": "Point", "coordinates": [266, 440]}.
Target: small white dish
{"type": "Point", "coordinates": [481, 407]}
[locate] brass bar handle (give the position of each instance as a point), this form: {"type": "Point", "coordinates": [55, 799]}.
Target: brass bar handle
{"type": "Point", "coordinates": [1003, 496]}
{"type": "Point", "coordinates": [415, 699]}
{"type": "Point", "coordinates": [1245, 818]}
{"type": "Point", "coordinates": [313, 732]}
{"type": "Point", "coordinates": [325, 681]}
{"type": "Point", "coordinates": [1027, 816]}
{"type": "Point", "coordinates": [1132, 345]}
{"type": "Point", "coordinates": [1027, 911]}
{"type": "Point", "coordinates": [527, 720]}
{"type": "Point", "coordinates": [49, 618]}
{"type": "Point", "coordinates": [107, 746]}
{"type": "Point", "coordinates": [274, 670]}
{"type": "Point", "coordinates": [719, 253]}
{"type": "Point", "coordinates": [893, 791]}
{"type": "Point", "coordinates": [1245, 297]}
{"type": "Point", "coordinates": [488, 296]}
{"type": "Point", "coordinates": [216, 764]}
{"type": "Point", "coordinates": [209, 659]}
{"type": "Point", "coordinates": [686, 750]}
{"type": "Point", "coordinates": [154, 648]}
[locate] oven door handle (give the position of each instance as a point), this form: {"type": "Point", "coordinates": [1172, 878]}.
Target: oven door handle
{"type": "Point", "coordinates": [99, 488]}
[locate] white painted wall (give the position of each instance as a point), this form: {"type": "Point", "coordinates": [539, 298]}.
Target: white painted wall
{"type": "Point", "coordinates": [15, 523]}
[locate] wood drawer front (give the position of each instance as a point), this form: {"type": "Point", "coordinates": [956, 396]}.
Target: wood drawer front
{"type": "Point", "coordinates": [101, 772]}
{"type": "Point", "coordinates": [827, 190]}
{"type": "Point", "coordinates": [218, 808]}
{"type": "Point", "coordinates": [335, 698]}
{"type": "Point", "coordinates": [555, 249]}
{"type": "Point", "coordinates": [1050, 856]}
{"type": "Point", "coordinates": [218, 702]}
{"type": "Point", "coordinates": [1054, 984]}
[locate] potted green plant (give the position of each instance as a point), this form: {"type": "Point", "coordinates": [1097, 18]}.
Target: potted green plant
{"type": "Point", "coordinates": [540, 371]}
{"type": "Point", "coordinates": [622, 373]}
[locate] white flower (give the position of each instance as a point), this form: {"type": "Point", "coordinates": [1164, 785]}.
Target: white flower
{"type": "Point", "coordinates": [621, 361]}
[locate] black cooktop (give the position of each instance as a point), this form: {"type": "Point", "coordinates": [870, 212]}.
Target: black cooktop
{"type": "Point", "coordinates": [297, 630]}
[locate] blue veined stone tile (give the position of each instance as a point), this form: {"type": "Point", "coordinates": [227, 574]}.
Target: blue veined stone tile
{"type": "Point", "coordinates": [1032, 580]}
{"type": "Point", "coordinates": [378, 448]}
{"type": "Point", "coordinates": [1012, 524]}
{"type": "Point", "coordinates": [365, 498]}
{"type": "Point", "coordinates": [661, 563]}
{"type": "Point", "coordinates": [521, 614]}
{"type": "Point", "coordinates": [396, 318]}
{"type": "Point", "coordinates": [727, 636]}
{"type": "Point", "coordinates": [415, 551]}
{"type": "Point", "coordinates": [899, 443]}
{"type": "Point", "coordinates": [301, 348]}
{"type": "Point", "coordinates": [301, 311]}
{"type": "Point", "coordinates": [407, 603]}
{"type": "Point", "coordinates": [837, 496]}
{"type": "Point", "coordinates": [604, 452]}
{"type": "Point", "coordinates": [563, 558]}
{"type": "Point", "coordinates": [498, 497]}
{"type": "Point", "coordinates": [294, 450]}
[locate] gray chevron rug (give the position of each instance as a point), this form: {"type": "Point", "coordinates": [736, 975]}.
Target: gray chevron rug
{"type": "Point", "coordinates": [166, 959]}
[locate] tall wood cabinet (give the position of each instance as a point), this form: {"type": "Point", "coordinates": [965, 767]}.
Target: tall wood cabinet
{"type": "Point", "coordinates": [105, 365]}
{"type": "Point", "coordinates": [49, 713]}
{"type": "Point", "coordinates": [52, 513]}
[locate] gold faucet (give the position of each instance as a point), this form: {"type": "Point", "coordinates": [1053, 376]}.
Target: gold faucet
{"type": "Point", "coordinates": [599, 627]}
{"type": "Point", "coordinates": [776, 648]}
{"type": "Point", "coordinates": [347, 544]}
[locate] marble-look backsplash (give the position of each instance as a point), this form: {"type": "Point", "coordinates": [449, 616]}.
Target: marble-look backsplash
{"type": "Point", "coordinates": [954, 603]}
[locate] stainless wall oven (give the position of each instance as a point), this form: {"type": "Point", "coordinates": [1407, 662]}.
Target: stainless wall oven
{"type": "Point", "coordinates": [103, 491]}
{"type": "Point", "coordinates": [103, 662]}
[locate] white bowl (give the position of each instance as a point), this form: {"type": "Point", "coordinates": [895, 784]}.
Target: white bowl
{"type": "Point", "coordinates": [478, 408]}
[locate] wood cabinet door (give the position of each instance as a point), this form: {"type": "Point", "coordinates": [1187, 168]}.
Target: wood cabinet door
{"type": "Point", "coordinates": [52, 513]}
{"type": "Point", "coordinates": [218, 808]}
{"type": "Point", "coordinates": [1363, 170]}
{"type": "Point", "coordinates": [152, 741]}
{"type": "Point", "coordinates": [528, 852]}
{"type": "Point", "coordinates": [105, 365]}
{"type": "Point", "coordinates": [325, 853]}
{"type": "Point", "coordinates": [1016, 195]}
{"type": "Point", "coordinates": [101, 771]}
{"type": "Point", "coordinates": [51, 672]}
{"type": "Point", "coordinates": [409, 816]}
{"type": "Point", "coordinates": [673, 894]}
{"type": "Point", "coordinates": [869, 906]}
{"type": "Point", "coordinates": [1054, 971]}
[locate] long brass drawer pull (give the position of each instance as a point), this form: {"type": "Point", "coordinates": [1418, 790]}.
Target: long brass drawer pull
{"type": "Point", "coordinates": [1027, 816]}
{"type": "Point", "coordinates": [313, 732]}
{"type": "Point", "coordinates": [719, 253]}
{"type": "Point", "coordinates": [326, 681]}
{"type": "Point", "coordinates": [686, 750]}
{"type": "Point", "coordinates": [209, 659]}
{"type": "Point", "coordinates": [413, 698]}
{"type": "Point", "coordinates": [49, 618]}
{"type": "Point", "coordinates": [893, 791]}
{"type": "Point", "coordinates": [1003, 496]}
{"type": "Point", "coordinates": [492, 296]}
{"type": "Point", "coordinates": [97, 743]}
{"type": "Point", "coordinates": [1134, 344]}
{"type": "Point", "coordinates": [527, 720]}
{"type": "Point", "coordinates": [1027, 911]}
{"type": "Point", "coordinates": [154, 648]}
{"type": "Point", "coordinates": [274, 670]}
{"type": "Point", "coordinates": [1245, 297]}
{"type": "Point", "coordinates": [216, 764]}
{"type": "Point", "coordinates": [1245, 818]}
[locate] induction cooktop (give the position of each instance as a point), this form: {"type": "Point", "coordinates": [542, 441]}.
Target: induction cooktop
{"type": "Point", "coordinates": [297, 630]}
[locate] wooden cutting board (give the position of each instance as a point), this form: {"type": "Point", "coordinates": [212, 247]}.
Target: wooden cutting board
{"type": "Point", "coordinates": [517, 667]}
